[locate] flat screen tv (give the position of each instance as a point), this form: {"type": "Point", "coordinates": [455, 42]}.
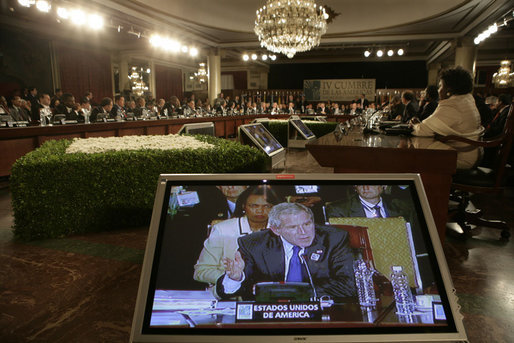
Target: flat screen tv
{"type": "Point", "coordinates": [300, 126]}
{"type": "Point", "coordinates": [198, 129]}
{"type": "Point", "coordinates": [257, 134]}
{"type": "Point", "coordinates": [294, 257]}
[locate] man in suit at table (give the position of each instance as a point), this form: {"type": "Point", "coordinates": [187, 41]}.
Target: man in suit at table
{"type": "Point", "coordinates": [280, 254]}
{"type": "Point", "coordinates": [68, 107]}
{"type": "Point", "coordinates": [411, 107]}
{"type": "Point", "coordinates": [363, 101]}
{"type": "Point", "coordinates": [118, 109]}
{"type": "Point", "coordinates": [102, 111]}
{"type": "Point", "coordinates": [18, 113]}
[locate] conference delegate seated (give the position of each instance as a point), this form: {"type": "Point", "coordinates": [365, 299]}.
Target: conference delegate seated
{"type": "Point", "coordinates": [428, 103]}
{"type": "Point", "coordinates": [68, 107]}
{"type": "Point", "coordinates": [101, 112]}
{"type": "Point", "coordinates": [275, 255]}
{"type": "Point", "coordinates": [456, 113]}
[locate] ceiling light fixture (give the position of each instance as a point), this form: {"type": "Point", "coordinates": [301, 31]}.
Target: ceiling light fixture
{"type": "Point", "coordinates": [380, 53]}
{"type": "Point", "coordinates": [367, 53]}
{"type": "Point", "coordinates": [193, 52]}
{"type": "Point", "coordinates": [78, 17]}
{"type": "Point", "coordinates": [289, 26]}
{"type": "Point", "coordinates": [95, 22]}
{"type": "Point", "coordinates": [390, 52]}
{"type": "Point", "coordinates": [43, 6]}
{"type": "Point", "coordinates": [503, 78]}
{"type": "Point", "coordinates": [493, 28]}
{"type": "Point", "coordinates": [63, 13]}
{"type": "Point", "coordinates": [254, 57]}
{"type": "Point", "coordinates": [246, 57]}
{"type": "Point", "coordinates": [26, 3]}
{"type": "Point", "coordinates": [400, 52]}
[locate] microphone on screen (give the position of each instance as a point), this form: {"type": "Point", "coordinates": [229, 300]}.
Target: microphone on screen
{"type": "Point", "coordinates": [303, 260]}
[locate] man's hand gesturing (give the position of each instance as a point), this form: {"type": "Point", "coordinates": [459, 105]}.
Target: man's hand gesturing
{"type": "Point", "coordinates": [234, 268]}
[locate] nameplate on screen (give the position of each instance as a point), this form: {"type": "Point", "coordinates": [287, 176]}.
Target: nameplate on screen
{"type": "Point", "coordinates": [278, 312]}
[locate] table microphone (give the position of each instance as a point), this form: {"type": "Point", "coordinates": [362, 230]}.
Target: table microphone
{"type": "Point", "coordinates": [304, 262]}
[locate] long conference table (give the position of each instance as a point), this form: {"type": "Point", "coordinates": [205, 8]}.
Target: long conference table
{"type": "Point", "coordinates": [16, 142]}
{"type": "Point", "coordinates": [371, 153]}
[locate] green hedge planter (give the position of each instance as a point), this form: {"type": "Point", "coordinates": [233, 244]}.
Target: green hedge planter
{"type": "Point", "coordinates": [55, 194]}
{"type": "Point", "coordinates": [278, 128]}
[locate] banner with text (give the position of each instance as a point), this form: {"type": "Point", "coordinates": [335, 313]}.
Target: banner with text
{"type": "Point", "coordinates": [338, 90]}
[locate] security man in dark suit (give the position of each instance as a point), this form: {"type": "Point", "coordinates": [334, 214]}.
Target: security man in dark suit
{"type": "Point", "coordinates": [283, 253]}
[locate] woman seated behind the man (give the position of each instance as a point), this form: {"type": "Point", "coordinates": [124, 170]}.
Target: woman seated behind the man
{"type": "Point", "coordinates": [250, 215]}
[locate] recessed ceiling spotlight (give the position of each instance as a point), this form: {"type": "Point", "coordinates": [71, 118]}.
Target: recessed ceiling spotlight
{"type": "Point", "coordinates": [264, 57]}
{"type": "Point", "coordinates": [273, 57]}
{"type": "Point", "coordinates": [380, 53]}
{"type": "Point", "coordinates": [24, 3]}
{"type": "Point", "coordinates": [254, 57]}
{"type": "Point", "coordinates": [390, 52]}
{"type": "Point", "coordinates": [78, 17]}
{"type": "Point", "coordinates": [193, 52]}
{"type": "Point", "coordinates": [63, 13]}
{"type": "Point", "coordinates": [43, 6]}
{"type": "Point", "coordinates": [400, 52]}
{"type": "Point", "coordinates": [246, 57]}
{"type": "Point", "coordinates": [95, 22]}
{"type": "Point", "coordinates": [367, 53]}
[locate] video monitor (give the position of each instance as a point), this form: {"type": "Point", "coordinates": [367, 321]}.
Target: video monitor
{"type": "Point", "coordinates": [294, 257]}
{"type": "Point", "coordinates": [260, 137]}
{"type": "Point", "coordinates": [198, 129]}
{"type": "Point", "coordinates": [302, 128]}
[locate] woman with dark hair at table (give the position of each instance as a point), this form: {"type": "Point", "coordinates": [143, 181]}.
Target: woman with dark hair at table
{"type": "Point", "coordinates": [456, 113]}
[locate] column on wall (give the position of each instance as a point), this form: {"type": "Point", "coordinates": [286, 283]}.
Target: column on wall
{"type": "Point", "coordinates": [433, 73]}
{"type": "Point", "coordinates": [56, 76]}
{"type": "Point", "coordinates": [152, 82]}
{"type": "Point", "coordinates": [214, 75]}
{"type": "Point", "coordinates": [124, 84]}
{"type": "Point", "coordinates": [465, 54]}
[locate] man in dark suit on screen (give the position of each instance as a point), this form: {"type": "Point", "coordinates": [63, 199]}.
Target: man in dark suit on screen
{"type": "Point", "coordinates": [280, 254]}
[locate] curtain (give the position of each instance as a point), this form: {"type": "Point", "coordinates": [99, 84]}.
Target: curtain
{"type": "Point", "coordinates": [85, 70]}
{"type": "Point", "coordinates": [168, 82]}
{"type": "Point", "coordinates": [227, 81]}
{"type": "Point", "coordinates": [238, 79]}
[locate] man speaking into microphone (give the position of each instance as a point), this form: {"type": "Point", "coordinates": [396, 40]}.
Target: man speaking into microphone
{"type": "Point", "coordinates": [287, 252]}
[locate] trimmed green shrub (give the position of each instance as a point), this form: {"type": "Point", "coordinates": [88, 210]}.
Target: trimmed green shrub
{"type": "Point", "coordinates": [55, 194]}
{"type": "Point", "coordinates": [278, 128]}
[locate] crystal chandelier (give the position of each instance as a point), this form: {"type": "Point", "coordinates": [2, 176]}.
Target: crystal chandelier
{"type": "Point", "coordinates": [503, 78]}
{"type": "Point", "coordinates": [139, 86]}
{"type": "Point", "coordinates": [290, 26]}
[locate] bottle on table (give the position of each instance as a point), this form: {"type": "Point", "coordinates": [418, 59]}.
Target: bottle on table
{"type": "Point", "coordinates": [402, 292]}
{"type": "Point", "coordinates": [364, 283]}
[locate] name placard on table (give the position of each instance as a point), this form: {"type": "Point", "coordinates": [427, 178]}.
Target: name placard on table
{"type": "Point", "coordinates": [278, 312]}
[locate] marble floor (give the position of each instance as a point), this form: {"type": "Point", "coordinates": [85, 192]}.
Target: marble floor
{"type": "Point", "coordinates": [83, 288]}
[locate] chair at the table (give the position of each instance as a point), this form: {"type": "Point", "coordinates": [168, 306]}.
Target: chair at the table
{"type": "Point", "coordinates": [481, 180]}
{"type": "Point", "coordinates": [359, 242]}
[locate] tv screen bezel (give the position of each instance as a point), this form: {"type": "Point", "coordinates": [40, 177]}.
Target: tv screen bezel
{"type": "Point", "coordinates": [205, 125]}
{"type": "Point", "coordinates": [279, 335]}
